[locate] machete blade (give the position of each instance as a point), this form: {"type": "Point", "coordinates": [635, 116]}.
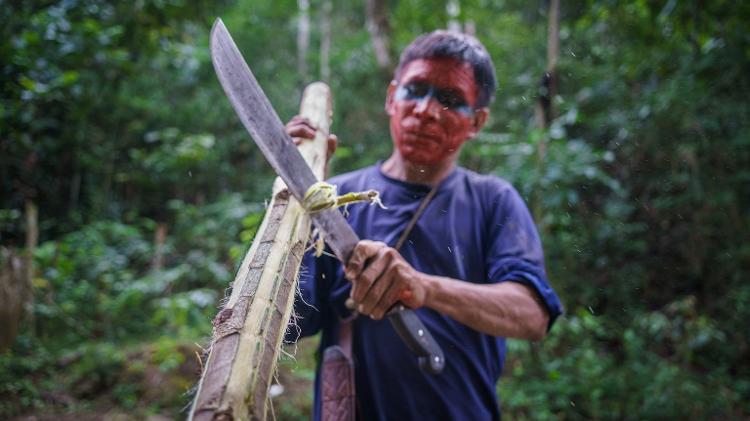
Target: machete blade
{"type": "Point", "coordinates": [266, 129]}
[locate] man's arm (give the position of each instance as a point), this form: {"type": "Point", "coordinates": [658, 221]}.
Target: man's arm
{"type": "Point", "coordinates": [381, 277]}
{"type": "Point", "coordinates": [508, 309]}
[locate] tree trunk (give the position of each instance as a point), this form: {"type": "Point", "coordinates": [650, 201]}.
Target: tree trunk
{"type": "Point", "coordinates": [376, 12]}
{"type": "Point", "coordinates": [470, 28]}
{"type": "Point", "coordinates": [325, 40]}
{"type": "Point", "coordinates": [303, 37]}
{"type": "Point", "coordinates": [12, 277]}
{"type": "Point", "coordinates": [454, 10]}
{"type": "Point", "coordinates": [548, 86]}
{"type": "Point", "coordinates": [32, 238]}
{"type": "Point", "coordinates": [544, 111]}
{"type": "Point", "coordinates": [16, 277]}
{"type": "Point", "coordinates": [160, 237]}
{"type": "Point", "coordinates": [553, 42]}
{"type": "Point", "coordinates": [249, 330]}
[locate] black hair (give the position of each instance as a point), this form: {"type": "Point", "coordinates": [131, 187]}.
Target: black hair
{"type": "Point", "coordinates": [462, 47]}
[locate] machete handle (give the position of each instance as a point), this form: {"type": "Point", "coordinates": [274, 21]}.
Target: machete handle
{"type": "Point", "coordinates": [417, 338]}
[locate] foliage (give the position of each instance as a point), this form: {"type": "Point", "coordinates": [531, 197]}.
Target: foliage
{"type": "Point", "coordinates": [97, 297]}
{"type": "Point", "coordinates": [571, 375]}
{"type": "Point", "coordinates": [113, 124]}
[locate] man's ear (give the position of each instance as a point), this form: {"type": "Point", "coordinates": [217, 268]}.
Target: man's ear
{"type": "Point", "coordinates": [480, 117]}
{"type": "Point", "coordinates": [389, 97]}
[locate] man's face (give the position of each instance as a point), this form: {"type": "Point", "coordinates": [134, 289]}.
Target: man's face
{"type": "Point", "coordinates": [432, 110]}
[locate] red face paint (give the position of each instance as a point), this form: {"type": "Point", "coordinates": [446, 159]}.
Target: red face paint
{"type": "Point", "coordinates": [425, 131]}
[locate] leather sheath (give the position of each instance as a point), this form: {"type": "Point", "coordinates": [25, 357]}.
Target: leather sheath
{"type": "Point", "coordinates": [337, 386]}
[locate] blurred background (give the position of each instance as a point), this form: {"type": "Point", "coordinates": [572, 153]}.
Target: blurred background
{"type": "Point", "coordinates": [129, 191]}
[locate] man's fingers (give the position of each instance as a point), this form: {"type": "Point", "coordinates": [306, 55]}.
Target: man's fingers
{"type": "Point", "coordinates": [364, 250]}
{"type": "Point", "coordinates": [300, 127]}
{"type": "Point", "coordinates": [365, 266]}
{"type": "Point", "coordinates": [387, 300]}
{"type": "Point", "coordinates": [367, 278]}
{"type": "Point", "coordinates": [376, 292]}
{"type": "Point", "coordinates": [350, 304]}
{"type": "Point", "coordinates": [301, 131]}
{"type": "Point", "coordinates": [333, 141]}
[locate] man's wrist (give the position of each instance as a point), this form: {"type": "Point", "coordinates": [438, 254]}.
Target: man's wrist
{"type": "Point", "coordinates": [430, 285]}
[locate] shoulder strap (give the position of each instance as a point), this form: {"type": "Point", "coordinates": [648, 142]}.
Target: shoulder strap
{"type": "Point", "coordinates": [417, 214]}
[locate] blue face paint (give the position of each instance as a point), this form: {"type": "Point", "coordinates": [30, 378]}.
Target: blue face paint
{"type": "Point", "coordinates": [422, 91]}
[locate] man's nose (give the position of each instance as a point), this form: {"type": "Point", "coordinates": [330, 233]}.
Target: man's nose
{"type": "Point", "coordinates": [427, 107]}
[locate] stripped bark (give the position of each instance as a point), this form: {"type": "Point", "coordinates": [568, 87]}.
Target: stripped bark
{"type": "Point", "coordinates": [249, 330]}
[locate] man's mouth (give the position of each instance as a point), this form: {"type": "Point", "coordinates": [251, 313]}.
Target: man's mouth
{"type": "Point", "coordinates": [420, 136]}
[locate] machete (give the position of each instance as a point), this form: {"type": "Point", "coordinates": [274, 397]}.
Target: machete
{"type": "Point", "coordinates": [261, 121]}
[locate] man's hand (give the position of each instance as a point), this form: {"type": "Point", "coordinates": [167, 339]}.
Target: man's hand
{"type": "Point", "coordinates": [300, 128]}
{"type": "Point", "coordinates": [381, 277]}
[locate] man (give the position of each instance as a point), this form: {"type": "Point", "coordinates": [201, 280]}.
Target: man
{"type": "Point", "coordinates": [472, 267]}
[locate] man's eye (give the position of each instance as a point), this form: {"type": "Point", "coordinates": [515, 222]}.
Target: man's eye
{"type": "Point", "coordinates": [417, 90]}
{"type": "Point", "coordinates": [450, 99]}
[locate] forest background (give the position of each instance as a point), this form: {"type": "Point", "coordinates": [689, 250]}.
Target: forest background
{"type": "Point", "coordinates": [129, 191]}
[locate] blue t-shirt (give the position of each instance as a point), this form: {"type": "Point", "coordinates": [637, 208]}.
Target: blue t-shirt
{"type": "Point", "coordinates": [476, 229]}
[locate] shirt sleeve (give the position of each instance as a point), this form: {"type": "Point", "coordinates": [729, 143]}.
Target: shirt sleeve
{"type": "Point", "coordinates": [515, 250]}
